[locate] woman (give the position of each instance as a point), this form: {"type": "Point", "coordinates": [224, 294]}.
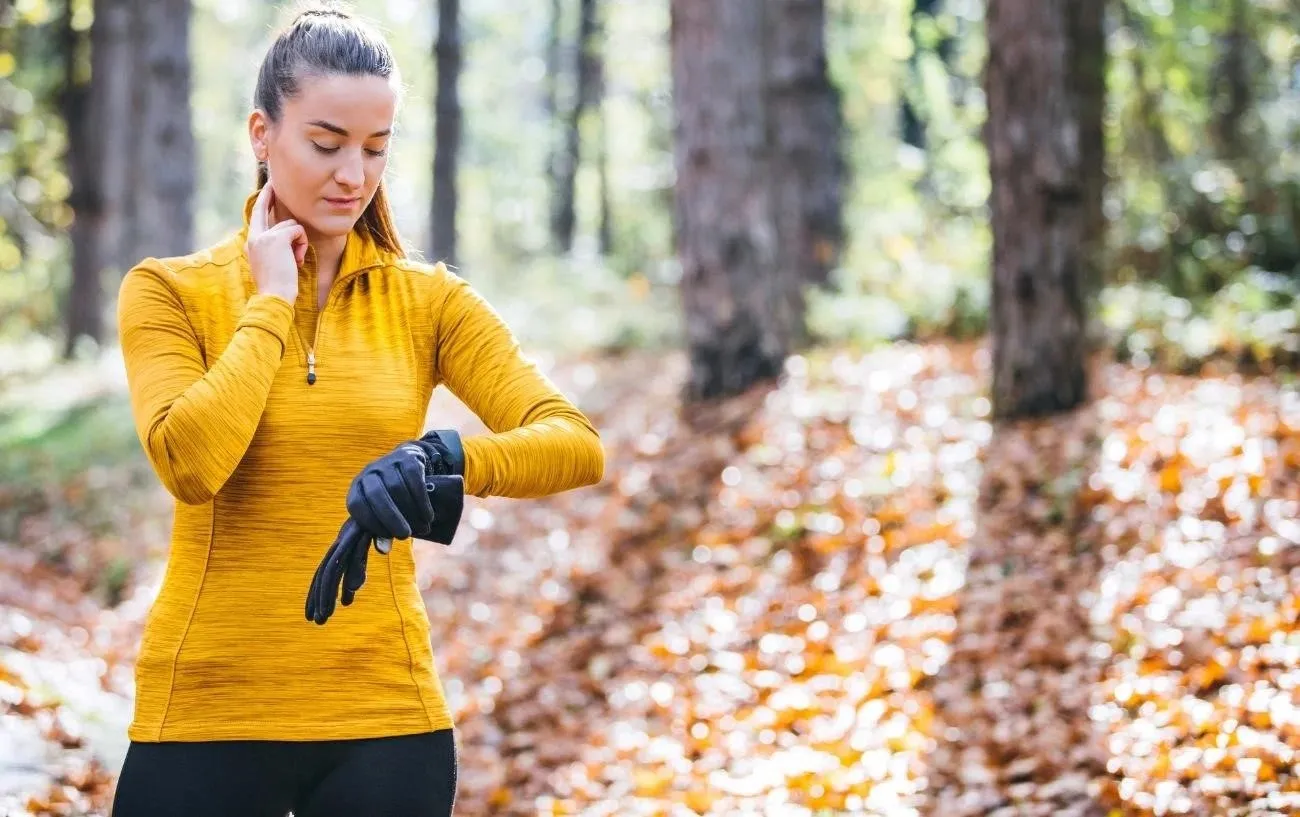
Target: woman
{"type": "Point", "coordinates": [278, 381]}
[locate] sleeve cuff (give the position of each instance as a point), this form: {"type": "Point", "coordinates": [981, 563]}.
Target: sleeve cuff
{"type": "Point", "coordinates": [271, 313]}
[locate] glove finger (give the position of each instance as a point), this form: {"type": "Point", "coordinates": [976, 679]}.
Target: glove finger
{"type": "Point", "coordinates": [334, 568]}
{"type": "Point", "coordinates": [388, 518]}
{"type": "Point", "coordinates": [319, 585]}
{"type": "Point", "coordinates": [355, 575]}
{"type": "Point", "coordinates": [358, 508]}
{"type": "Point", "coordinates": [420, 508]}
{"type": "Point", "coordinates": [325, 588]}
{"type": "Point", "coordinates": [395, 482]}
{"type": "Point", "coordinates": [314, 589]}
{"type": "Point", "coordinates": [357, 549]}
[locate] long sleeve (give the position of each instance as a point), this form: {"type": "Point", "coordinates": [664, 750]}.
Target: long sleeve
{"type": "Point", "coordinates": [195, 424]}
{"type": "Point", "coordinates": [540, 442]}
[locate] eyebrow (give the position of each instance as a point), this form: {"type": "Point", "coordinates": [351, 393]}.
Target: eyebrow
{"type": "Point", "coordinates": [321, 123]}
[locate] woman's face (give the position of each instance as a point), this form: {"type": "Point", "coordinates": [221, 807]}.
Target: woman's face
{"type": "Point", "coordinates": [328, 152]}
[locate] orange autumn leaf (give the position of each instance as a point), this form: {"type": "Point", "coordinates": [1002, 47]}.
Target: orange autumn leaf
{"type": "Point", "coordinates": [1171, 479]}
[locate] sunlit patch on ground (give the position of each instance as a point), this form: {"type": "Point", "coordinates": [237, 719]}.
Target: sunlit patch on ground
{"type": "Point", "coordinates": [1200, 696]}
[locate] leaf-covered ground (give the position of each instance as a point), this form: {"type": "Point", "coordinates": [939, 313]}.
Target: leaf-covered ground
{"type": "Point", "coordinates": [852, 594]}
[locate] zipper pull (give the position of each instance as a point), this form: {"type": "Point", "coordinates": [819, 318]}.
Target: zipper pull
{"type": "Point", "coordinates": [311, 367]}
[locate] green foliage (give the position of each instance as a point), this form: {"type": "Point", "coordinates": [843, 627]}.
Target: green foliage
{"type": "Point", "coordinates": [1252, 322]}
{"type": "Point", "coordinates": [1204, 179]}
{"type": "Point", "coordinates": [917, 260]}
{"type": "Point", "coordinates": [44, 445]}
{"type": "Point", "coordinates": [33, 184]}
{"type": "Point", "coordinates": [1204, 172]}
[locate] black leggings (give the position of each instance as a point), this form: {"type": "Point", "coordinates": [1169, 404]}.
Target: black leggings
{"type": "Point", "coordinates": [409, 775]}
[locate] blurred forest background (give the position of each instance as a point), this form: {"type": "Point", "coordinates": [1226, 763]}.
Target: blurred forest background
{"type": "Point", "coordinates": [805, 262]}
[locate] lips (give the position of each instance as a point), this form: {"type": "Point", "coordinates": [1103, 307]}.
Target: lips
{"type": "Point", "coordinates": [342, 202]}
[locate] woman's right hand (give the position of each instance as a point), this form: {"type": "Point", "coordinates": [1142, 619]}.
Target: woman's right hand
{"type": "Point", "coordinates": [274, 250]}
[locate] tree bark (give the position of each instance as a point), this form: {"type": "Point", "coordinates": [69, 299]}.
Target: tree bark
{"type": "Point", "coordinates": [447, 131]}
{"type": "Point", "coordinates": [807, 129]}
{"type": "Point", "coordinates": [743, 308]}
{"type": "Point", "coordinates": [1040, 204]}
{"type": "Point", "coordinates": [113, 64]}
{"type": "Point", "coordinates": [162, 177]}
{"type": "Point", "coordinates": [1089, 72]}
{"type": "Point", "coordinates": [606, 226]}
{"type": "Point", "coordinates": [83, 308]}
{"type": "Point", "coordinates": [912, 124]}
{"type": "Point", "coordinates": [1232, 84]}
{"type": "Point", "coordinates": [554, 50]}
{"type": "Point", "coordinates": [564, 217]}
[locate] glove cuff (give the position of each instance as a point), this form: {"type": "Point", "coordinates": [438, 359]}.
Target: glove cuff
{"type": "Point", "coordinates": [451, 451]}
{"type": "Point", "coordinates": [448, 499]}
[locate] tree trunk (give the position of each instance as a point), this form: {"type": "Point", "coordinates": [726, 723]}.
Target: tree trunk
{"type": "Point", "coordinates": [163, 171]}
{"type": "Point", "coordinates": [807, 127]}
{"type": "Point", "coordinates": [447, 133]}
{"type": "Point", "coordinates": [743, 309]}
{"type": "Point", "coordinates": [606, 227]}
{"type": "Point", "coordinates": [564, 216]}
{"type": "Point", "coordinates": [1232, 92]}
{"type": "Point", "coordinates": [554, 50]}
{"type": "Point", "coordinates": [1034, 135]}
{"type": "Point", "coordinates": [1089, 71]}
{"type": "Point", "coordinates": [113, 61]}
{"type": "Point", "coordinates": [912, 122]}
{"type": "Point", "coordinates": [83, 309]}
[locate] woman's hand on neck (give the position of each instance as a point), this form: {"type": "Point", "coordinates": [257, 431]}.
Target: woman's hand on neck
{"type": "Point", "coordinates": [328, 249]}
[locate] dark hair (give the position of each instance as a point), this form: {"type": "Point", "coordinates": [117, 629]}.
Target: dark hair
{"type": "Point", "coordinates": [325, 39]}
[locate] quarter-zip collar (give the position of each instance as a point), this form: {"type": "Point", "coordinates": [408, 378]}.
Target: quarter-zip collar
{"type": "Point", "coordinates": [360, 253]}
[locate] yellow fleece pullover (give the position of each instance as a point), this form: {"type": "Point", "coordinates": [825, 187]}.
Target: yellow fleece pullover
{"type": "Point", "coordinates": [260, 462]}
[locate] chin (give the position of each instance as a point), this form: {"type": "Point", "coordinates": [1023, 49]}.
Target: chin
{"type": "Point", "coordinates": [334, 226]}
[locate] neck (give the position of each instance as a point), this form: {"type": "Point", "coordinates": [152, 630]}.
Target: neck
{"type": "Point", "coordinates": [328, 249]}
{"type": "Point", "coordinates": [329, 254]}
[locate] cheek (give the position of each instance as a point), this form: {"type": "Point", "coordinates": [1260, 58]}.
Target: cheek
{"type": "Point", "coordinates": [375, 171]}
{"type": "Point", "coordinates": [300, 171]}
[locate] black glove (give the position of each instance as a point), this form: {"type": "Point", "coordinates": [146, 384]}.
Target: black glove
{"type": "Point", "coordinates": [415, 490]}
{"type": "Point", "coordinates": [390, 498]}
{"type": "Point", "coordinates": [346, 561]}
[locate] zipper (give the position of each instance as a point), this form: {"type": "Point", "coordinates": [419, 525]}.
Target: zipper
{"type": "Point", "coordinates": [315, 340]}
{"type": "Point", "coordinates": [320, 319]}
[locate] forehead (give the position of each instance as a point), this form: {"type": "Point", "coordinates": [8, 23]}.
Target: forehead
{"type": "Point", "coordinates": [359, 104]}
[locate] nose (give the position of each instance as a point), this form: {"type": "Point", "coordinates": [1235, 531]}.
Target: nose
{"type": "Point", "coordinates": [350, 172]}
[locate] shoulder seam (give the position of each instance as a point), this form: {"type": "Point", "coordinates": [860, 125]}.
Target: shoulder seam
{"type": "Point", "coordinates": [190, 265]}
{"type": "Point", "coordinates": [419, 267]}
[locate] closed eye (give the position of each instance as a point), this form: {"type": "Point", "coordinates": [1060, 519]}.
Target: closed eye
{"type": "Point", "coordinates": [322, 149]}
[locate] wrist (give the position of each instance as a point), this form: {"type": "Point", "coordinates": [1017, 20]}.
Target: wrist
{"type": "Point", "coordinates": [287, 297]}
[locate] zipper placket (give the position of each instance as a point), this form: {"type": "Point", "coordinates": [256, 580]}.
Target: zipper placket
{"type": "Point", "coordinates": [315, 339]}
{"type": "Point", "coordinates": [320, 321]}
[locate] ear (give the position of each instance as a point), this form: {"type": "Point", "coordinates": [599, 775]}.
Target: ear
{"type": "Point", "coordinates": [259, 134]}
